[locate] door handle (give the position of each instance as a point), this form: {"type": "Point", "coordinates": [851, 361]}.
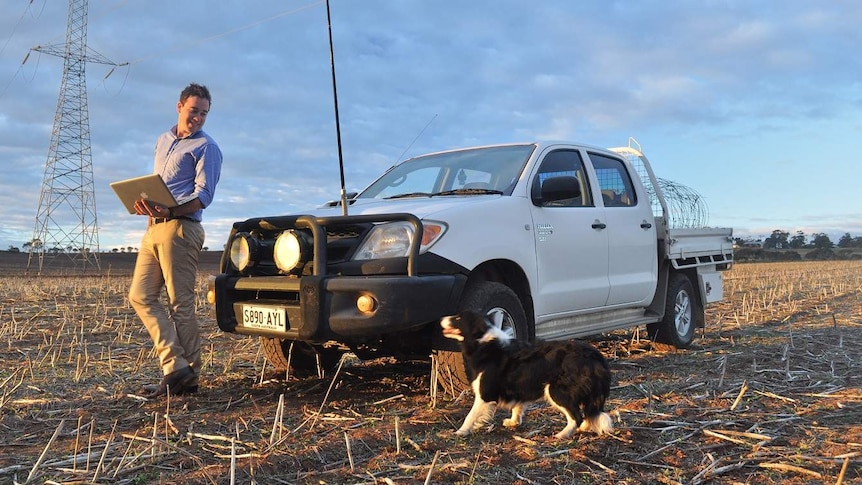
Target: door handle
{"type": "Point", "coordinates": [645, 225]}
{"type": "Point", "coordinates": [599, 225]}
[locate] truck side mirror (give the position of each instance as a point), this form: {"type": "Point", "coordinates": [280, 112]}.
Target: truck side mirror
{"type": "Point", "coordinates": [557, 188]}
{"type": "Point", "coordinates": [335, 203]}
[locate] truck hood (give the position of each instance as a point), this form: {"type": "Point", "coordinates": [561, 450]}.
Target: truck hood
{"type": "Point", "coordinates": [421, 207]}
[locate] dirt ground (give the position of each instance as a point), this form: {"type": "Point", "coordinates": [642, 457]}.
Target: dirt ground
{"type": "Point", "coordinates": [771, 393]}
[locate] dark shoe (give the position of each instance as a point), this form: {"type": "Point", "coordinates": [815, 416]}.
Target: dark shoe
{"type": "Point", "coordinates": [190, 389]}
{"type": "Point", "coordinates": [177, 382]}
{"type": "Point", "coordinates": [151, 388]}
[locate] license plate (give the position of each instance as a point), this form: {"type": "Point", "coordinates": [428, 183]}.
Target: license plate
{"type": "Point", "coordinates": [264, 317]}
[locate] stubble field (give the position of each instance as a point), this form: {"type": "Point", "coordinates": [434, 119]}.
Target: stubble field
{"type": "Point", "coordinates": [771, 393]}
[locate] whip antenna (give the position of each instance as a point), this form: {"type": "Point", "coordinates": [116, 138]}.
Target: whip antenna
{"type": "Point", "coordinates": [337, 122]}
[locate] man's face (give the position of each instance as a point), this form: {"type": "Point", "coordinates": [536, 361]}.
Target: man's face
{"type": "Point", "coordinates": [192, 115]}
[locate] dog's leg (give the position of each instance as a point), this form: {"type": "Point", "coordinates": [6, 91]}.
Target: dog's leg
{"type": "Point", "coordinates": [479, 414]}
{"type": "Point", "coordinates": [472, 417]}
{"type": "Point", "coordinates": [571, 421]}
{"type": "Point", "coordinates": [517, 416]}
{"type": "Point", "coordinates": [571, 425]}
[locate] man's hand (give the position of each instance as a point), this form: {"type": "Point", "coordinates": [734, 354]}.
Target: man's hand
{"type": "Point", "coordinates": [146, 208]}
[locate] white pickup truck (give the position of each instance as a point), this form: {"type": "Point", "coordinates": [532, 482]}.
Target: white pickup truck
{"type": "Point", "coordinates": [552, 240]}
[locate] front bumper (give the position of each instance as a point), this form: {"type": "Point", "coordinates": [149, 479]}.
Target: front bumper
{"type": "Point", "coordinates": [324, 308]}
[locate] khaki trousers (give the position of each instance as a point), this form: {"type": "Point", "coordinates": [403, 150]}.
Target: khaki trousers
{"type": "Point", "coordinates": [168, 258]}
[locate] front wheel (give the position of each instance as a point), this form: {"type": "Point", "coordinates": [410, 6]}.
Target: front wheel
{"type": "Point", "coordinates": [302, 358]}
{"type": "Point", "coordinates": [502, 307]}
{"type": "Point", "coordinates": [680, 314]}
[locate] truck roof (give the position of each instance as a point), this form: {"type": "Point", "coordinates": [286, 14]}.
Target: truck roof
{"type": "Point", "coordinates": [540, 144]}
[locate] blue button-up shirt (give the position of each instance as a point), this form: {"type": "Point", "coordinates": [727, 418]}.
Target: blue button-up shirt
{"type": "Point", "coordinates": [190, 167]}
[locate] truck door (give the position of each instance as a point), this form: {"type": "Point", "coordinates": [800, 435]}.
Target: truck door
{"type": "Point", "coordinates": [631, 232]}
{"type": "Point", "coordinates": [571, 252]}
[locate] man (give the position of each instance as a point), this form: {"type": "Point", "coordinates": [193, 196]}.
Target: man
{"type": "Point", "coordinates": [190, 162]}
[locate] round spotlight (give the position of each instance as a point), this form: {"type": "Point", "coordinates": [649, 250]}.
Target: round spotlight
{"type": "Point", "coordinates": [291, 250]}
{"type": "Point", "coordinates": [241, 249]}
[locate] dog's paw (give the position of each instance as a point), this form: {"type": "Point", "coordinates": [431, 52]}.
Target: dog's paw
{"type": "Point", "coordinates": [463, 432]}
{"type": "Point", "coordinates": [511, 423]}
{"type": "Point", "coordinates": [567, 432]}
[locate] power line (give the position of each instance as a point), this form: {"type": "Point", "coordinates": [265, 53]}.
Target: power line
{"type": "Point", "coordinates": [12, 32]}
{"type": "Point", "coordinates": [202, 40]}
{"type": "Point", "coordinates": [198, 41]}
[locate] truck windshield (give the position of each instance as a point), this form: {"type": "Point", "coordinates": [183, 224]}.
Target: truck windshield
{"type": "Point", "coordinates": [474, 171]}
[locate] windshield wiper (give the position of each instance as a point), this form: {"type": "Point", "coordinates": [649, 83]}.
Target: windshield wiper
{"type": "Point", "coordinates": [446, 192]}
{"type": "Point", "coordinates": [467, 192]}
{"type": "Point", "coordinates": [410, 194]}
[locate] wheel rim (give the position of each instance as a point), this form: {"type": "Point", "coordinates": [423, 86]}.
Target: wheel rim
{"type": "Point", "coordinates": [503, 320]}
{"type": "Point", "coordinates": [682, 313]}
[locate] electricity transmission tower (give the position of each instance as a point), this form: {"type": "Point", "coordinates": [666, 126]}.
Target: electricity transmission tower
{"type": "Point", "coordinates": [66, 222]}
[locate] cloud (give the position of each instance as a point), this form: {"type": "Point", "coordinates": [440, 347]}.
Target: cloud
{"type": "Point", "coordinates": [722, 95]}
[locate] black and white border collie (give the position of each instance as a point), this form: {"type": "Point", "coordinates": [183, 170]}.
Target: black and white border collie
{"type": "Point", "coordinates": [571, 375]}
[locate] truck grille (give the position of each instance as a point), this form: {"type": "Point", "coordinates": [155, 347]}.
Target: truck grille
{"type": "Point", "coordinates": [341, 241]}
{"type": "Point", "coordinates": [342, 237]}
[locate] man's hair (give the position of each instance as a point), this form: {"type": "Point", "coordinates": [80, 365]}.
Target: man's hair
{"type": "Point", "coordinates": [198, 90]}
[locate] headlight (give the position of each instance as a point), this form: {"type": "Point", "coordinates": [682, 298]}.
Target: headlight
{"type": "Point", "coordinates": [392, 240]}
{"type": "Point", "coordinates": [292, 250]}
{"type": "Point", "coordinates": [244, 250]}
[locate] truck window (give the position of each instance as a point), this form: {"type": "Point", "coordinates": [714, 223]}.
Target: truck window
{"type": "Point", "coordinates": [416, 181]}
{"type": "Point", "coordinates": [614, 181]}
{"type": "Point", "coordinates": [497, 168]}
{"type": "Point", "coordinates": [564, 162]}
{"type": "Point", "coordinates": [472, 179]}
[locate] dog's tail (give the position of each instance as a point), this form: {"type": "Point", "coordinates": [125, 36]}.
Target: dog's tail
{"type": "Point", "coordinates": [599, 424]}
{"type": "Point", "coordinates": [596, 420]}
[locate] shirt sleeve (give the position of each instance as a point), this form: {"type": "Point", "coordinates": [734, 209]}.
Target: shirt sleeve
{"type": "Point", "coordinates": [207, 173]}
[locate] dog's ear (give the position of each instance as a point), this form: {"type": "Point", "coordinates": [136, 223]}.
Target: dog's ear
{"type": "Point", "coordinates": [448, 320]}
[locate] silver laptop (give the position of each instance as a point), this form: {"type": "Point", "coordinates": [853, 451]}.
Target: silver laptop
{"type": "Point", "coordinates": [150, 187]}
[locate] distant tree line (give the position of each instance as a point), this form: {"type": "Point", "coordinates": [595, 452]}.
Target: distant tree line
{"type": "Point", "coordinates": [783, 240]}
{"type": "Point", "coordinates": [37, 246]}
{"type": "Point", "coordinates": [781, 246]}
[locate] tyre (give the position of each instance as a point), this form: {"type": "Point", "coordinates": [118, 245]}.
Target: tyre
{"type": "Point", "coordinates": [302, 359]}
{"type": "Point", "coordinates": [680, 315]}
{"type": "Point", "coordinates": [502, 307]}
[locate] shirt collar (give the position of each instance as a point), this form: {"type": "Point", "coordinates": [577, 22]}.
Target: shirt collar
{"type": "Point", "coordinates": [191, 135]}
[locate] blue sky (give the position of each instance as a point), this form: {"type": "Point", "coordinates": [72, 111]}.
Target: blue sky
{"type": "Point", "coordinates": [753, 104]}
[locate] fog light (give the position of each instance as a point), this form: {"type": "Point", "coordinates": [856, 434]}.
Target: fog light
{"type": "Point", "coordinates": [211, 290]}
{"type": "Point", "coordinates": [366, 303]}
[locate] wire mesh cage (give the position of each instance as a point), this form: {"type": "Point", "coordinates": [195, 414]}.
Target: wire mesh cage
{"type": "Point", "coordinates": [686, 208]}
